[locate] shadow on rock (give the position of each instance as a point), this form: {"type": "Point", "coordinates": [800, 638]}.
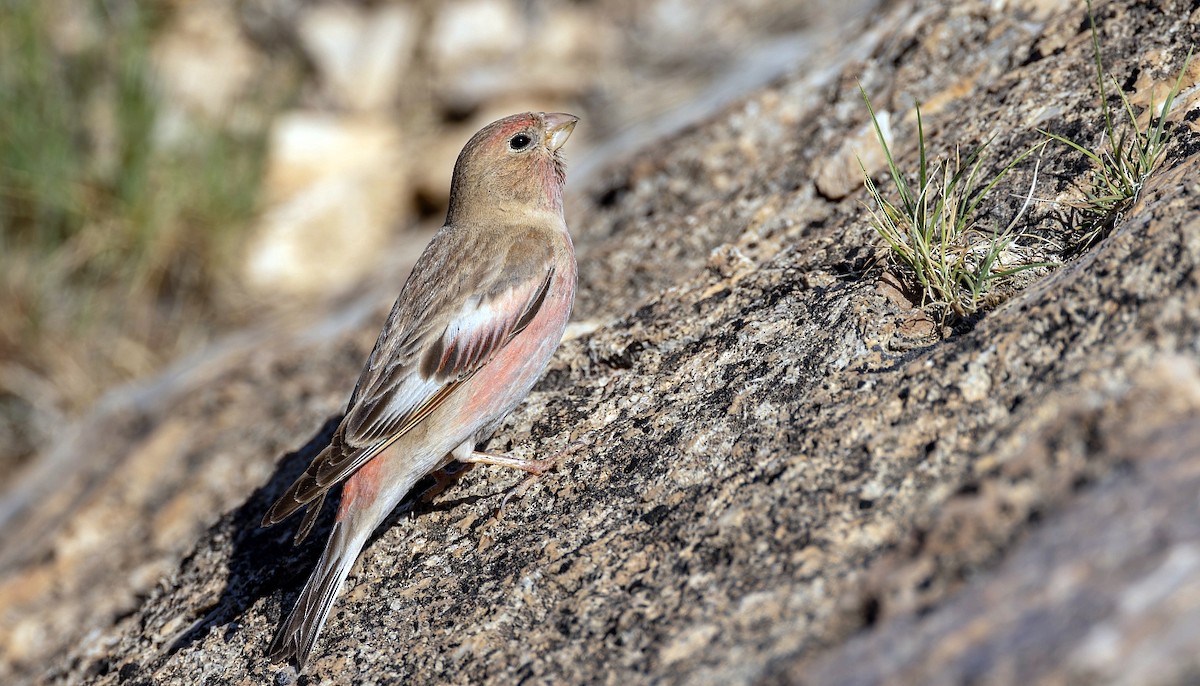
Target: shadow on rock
{"type": "Point", "coordinates": [262, 561]}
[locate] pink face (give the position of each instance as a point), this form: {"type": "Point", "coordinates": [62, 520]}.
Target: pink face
{"type": "Point", "coordinates": [525, 141]}
{"type": "Point", "coordinates": [508, 154]}
{"type": "Point", "coordinates": [507, 129]}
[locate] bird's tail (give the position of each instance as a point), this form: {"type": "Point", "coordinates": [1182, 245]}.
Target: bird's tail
{"type": "Point", "coordinates": [298, 634]}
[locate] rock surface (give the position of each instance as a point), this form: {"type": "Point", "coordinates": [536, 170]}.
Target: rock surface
{"type": "Point", "coordinates": [777, 469]}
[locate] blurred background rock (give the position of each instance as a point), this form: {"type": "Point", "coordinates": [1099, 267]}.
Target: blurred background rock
{"type": "Point", "coordinates": [173, 171]}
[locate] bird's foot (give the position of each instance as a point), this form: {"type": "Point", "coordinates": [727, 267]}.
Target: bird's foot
{"type": "Point", "coordinates": [443, 478]}
{"type": "Point", "coordinates": [535, 468]}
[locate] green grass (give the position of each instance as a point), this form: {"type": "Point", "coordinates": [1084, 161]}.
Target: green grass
{"type": "Point", "coordinates": [935, 229]}
{"type": "Point", "coordinates": [114, 248]}
{"type": "Point", "coordinates": [1119, 169]}
{"type": "Point", "coordinates": [63, 175]}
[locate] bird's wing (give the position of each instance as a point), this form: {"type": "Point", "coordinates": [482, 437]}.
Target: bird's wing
{"type": "Point", "coordinates": [437, 336]}
{"type": "Point", "coordinates": [406, 393]}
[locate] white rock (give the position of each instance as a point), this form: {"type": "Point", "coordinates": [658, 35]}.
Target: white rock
{"type": "Point", "coordinates": [334, 188]}
{"type": "Point", "coordinates": [203, 63]}
{"type": "Point", "coordinates": [475, 30]}
{"type": "Point", "coordinates": [362, 53]}
{"type": "Point", "coordinates": [486, 50]}
{"type": "Point", "coordinates": [842, 173]}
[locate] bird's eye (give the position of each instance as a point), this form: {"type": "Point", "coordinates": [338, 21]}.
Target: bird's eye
{"type": "Point", "coordinates": [519, 141]}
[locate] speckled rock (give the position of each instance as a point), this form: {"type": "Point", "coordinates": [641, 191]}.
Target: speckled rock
{"type": "Point", "coordinates": [778, 469]}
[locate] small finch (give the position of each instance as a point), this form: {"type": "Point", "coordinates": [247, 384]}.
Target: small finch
{"type": "Point", "coordinates": [472, 330]}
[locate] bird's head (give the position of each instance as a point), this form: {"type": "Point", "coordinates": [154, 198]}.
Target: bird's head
{"type": "Point", "coordinates": [512, 165]}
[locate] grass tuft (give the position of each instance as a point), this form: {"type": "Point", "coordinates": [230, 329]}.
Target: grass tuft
{"type": "Point", "coordinates": [115, 249]}
{"type": "Point", "coordinates": [934, 233]}
{"type": "Point", "coordinates": [1120, 168]}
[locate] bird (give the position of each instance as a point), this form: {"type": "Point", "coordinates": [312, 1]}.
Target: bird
{"type": "Point", "coordinates": [475, 324]}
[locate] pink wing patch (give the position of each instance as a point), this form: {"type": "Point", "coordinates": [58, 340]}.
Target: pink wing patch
{"type": "Point", "coordinates": [485, 324]}
{"type": "Point", "coordinates": [471, 340]}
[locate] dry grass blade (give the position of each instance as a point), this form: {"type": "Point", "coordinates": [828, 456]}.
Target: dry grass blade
{"type": "Point", "coordinates": [1125, 158]}
{"type": "Point", "coordinates": [933, 230]}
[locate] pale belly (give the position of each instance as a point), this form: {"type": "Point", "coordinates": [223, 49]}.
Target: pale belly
{"type": "Point", "coordinates": [475, 408]}
{"type": "Point", "coordinates": [507, 378]}
{"type": "Point", "coordinates": [479, 405]}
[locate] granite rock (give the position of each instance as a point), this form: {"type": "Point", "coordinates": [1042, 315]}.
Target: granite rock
{"type": "Point", "coordinates": [776, 468]}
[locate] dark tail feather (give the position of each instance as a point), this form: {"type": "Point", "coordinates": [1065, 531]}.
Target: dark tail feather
{"type": "Point", "coordinates": [299, 632]}
{"type": "Point", "coordinates": [310, 518]}
{"type": "Point", "coordinates": [303, 492]}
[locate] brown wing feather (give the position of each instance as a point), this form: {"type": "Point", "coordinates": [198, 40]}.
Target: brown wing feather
{"type": "Point", "coordinates": [455, 357]}
{"type": "Point", "coordinates": [332, 471]}
{"type": "Point", "coordinates": [371, 423]}
{"type": "Point", "coordinates": [333, 466]}
{"type": "Point", "coordinates": [465, 338]}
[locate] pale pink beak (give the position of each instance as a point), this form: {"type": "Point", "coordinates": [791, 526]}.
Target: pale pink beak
{"type": "Point", "coordinates": [558, 129]}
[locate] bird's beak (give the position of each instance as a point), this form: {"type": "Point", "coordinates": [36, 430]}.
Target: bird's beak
{"type": "Point", "coordinates": [558, 129]}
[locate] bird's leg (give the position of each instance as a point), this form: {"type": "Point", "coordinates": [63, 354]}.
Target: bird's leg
{"type": "Point", "coordinates": [442, 479]}
{"type": "Point", "coordinates": [535, 467]}
{"type": "Point", "coordinates": [517, 491]}
{"type": "Point", "coordinates": [542, 466]}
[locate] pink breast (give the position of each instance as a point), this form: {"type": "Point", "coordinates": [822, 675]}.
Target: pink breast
{"type": "Point", "coordinates": [509, 376]}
